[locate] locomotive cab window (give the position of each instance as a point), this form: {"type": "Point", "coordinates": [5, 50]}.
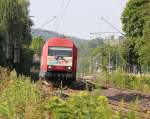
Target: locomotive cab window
{"type": "Point", "coordinates": [60, 51]}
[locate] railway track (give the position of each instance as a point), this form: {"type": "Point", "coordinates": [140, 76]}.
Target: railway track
{"type": "Point", "coordinates": [126, 108]}
{"type": "Point", "coordinates": [114, 95]}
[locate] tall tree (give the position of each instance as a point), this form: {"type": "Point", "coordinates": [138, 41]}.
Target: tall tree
{"type": "Point", "coordinates": [135, 18]}
{"type": "Point", "coordinates": [37, 44]}
{"type": "Point", "coordinates": [144, 50]}
{"type": "Point", "coordinates": [15, 22]}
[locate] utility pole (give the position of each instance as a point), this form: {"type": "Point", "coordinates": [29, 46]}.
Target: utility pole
{"type": "Point", "coordinates": [118, 31]}
{"type": "Point", "coordinates": [109, 65]}
{"type": "Point", "coordinates": [116, 61]}
{"type": "Point", "coordinates": [90, 66]}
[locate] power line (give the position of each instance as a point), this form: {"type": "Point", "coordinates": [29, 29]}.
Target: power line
{"type": "Point", "coordinates": [102, 18]}
{"type": "Point", "coordinates": [65, 9]}
{"type": "Point", "coordinates": [53, 18]}
{"type": "Point", "coordinates": [61, 8]}
{"type": "Point", "coordinates": [63, 13]}
{"type": "Point", "coordinates": [58, 14]}
{"type": "Point", "coordinates": [104, 32]}
{"type": "Point", "coordinates": [32, 16]}
{"type": "Point", "coordinates": [48, 22]}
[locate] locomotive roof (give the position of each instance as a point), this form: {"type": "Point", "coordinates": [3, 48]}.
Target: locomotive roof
{"type": "Point", "coordinates": [63, 42]}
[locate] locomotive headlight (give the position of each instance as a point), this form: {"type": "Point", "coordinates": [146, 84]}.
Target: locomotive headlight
{"type": "Point", "coordinates": [69, 68]}
{"type": "Point", "coordinates": [49, 67]}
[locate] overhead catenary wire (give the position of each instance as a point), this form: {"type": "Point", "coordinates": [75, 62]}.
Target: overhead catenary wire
{"type": "Point", "coordinates": [105, 32]}
{"type": "Point", "coordinates": [52, 19]}
{"type": "Point", "coordinates": [109, 57]}
{"type": "Point", "coordinates": [118, 31]}
{"type": "Point", "coordinates": [49, 21]}
{"type": "Point", "coordinates": [61, 8]}
{"type": "Point", "coordinates": [32, 16]}
{"type": "Point", "coordinates": [63, 14]}
{"type": "Point", "coordinates": [58, 15]}
{"type": "Point", "coordinates": [102, 18]}
{"type": "Point", "coordinates": [65, 9]}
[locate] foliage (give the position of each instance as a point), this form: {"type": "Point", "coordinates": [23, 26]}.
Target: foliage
{"type": "Point", "coordinates": [128, 81]}
{"type": "Point", "coordinates": [2, 49]}
{"type": "Point", "coordinates": [15, 30]}
{"type": "Point", "coordinates": [20, 98]}
{"type": "Point", "coordinates": [108, 53]}
{"type": "Point", "coordinates": [37, 44]}
{"type": "Point", "coordinates": [14, 18]}
{"type": "Point", "coordinates": [145, 47]}
{"type": "Point", "coordinates": [130, 51]}
{"type": "Point", "coordinates": [82, 106]}
{"type": "Point", "coordinates": [26, 58]}
{"type": "Point", "coordinates": [133, 17]}
{"type": "Point", "coordinates": [135, 20]}
{"type": "Point", "coordinates": [85, 106]}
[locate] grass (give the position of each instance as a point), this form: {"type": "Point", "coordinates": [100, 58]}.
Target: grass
{"type": "Point", "coordinates": [123, 80]}
{"type": "Point", "coordinates": [85, 106]}
{"type": "Point", "coordinates": [82, 106]}
{"type": "Point", "coordinates": [22, 99]}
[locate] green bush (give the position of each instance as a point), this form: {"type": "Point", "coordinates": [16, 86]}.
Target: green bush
{"type": "Point", "coordinates": [81, 106]}
{"type": "Point", "coordinates": [22, 99]}
{"type": "Point", "coordinates": [128, 81]}
{"type": "Point", "coordinates": [84, 106]}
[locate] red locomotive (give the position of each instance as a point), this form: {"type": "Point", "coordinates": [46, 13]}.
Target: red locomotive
{"type": "Point", "coordinates": [59, 60]}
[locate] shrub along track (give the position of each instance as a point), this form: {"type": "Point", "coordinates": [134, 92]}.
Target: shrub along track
{"type": "Point", "coordinates": [123, 100]}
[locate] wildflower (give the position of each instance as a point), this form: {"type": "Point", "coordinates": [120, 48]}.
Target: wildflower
{"type": "Point", "coordinates": [91, 103]}
{"type": "Point", "coordinates": [102, 98]}
{"type": "Point", "coordinates": [83, 94]}
{"type": "Point", "coordinates": [11, 81]}
{"type": "Point", "coordinates": [62, 103]}
{"type": "Point", "coordinates": [116, 112]}
{"type": "Point", "coordinates": [55, 98]}
{"type": "Point", "coordinates": [98, 109]}
{"type": "Point", "coordinates": [148, 112]}
{"type": "Point", "coordinates": [117, 115]}
{"type": "Point", "coordinates": [73, 95]}
{"type": "Point", "coordinates": [71, 100]}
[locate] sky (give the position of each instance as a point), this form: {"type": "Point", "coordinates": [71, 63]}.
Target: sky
{"type": "Point", "coordinates": [77, 18]}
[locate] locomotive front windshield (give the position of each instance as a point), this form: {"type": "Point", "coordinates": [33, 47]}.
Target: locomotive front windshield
{"type": "Point", "coordinates": [60, 51]}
